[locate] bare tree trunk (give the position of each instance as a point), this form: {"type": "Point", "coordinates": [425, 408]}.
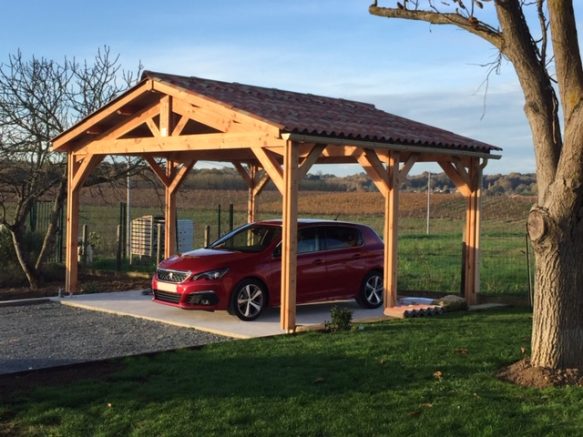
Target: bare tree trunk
{"type": "Point", "coordinates": [31, 274]}
{"type": "Point", "coordinates": [557, 340]}
{"type": "Point", "coordinates": [50, 235]}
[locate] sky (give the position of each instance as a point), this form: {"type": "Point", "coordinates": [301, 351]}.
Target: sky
{"type": "Point", "coordinates": [431, 74]}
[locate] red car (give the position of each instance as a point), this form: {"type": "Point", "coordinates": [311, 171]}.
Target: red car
{"type": "Point", "coordinates": [241, 271]}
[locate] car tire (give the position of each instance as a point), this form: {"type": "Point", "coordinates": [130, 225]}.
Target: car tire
{"type": "Point", "coordinates": [371, 291]}
{"type": "Point", "coordinates": [248, 300]}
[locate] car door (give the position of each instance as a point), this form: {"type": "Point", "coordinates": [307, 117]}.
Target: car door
{"type": "Point", "coordinates": [311, 269]}
{"type": "Point", "coordinates": [342, 254]}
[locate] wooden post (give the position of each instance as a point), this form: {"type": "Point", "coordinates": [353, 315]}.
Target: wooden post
{"type": "Point", "coordinates": [77, 171]}
{"type": "Point", "coordinates": [391, 228]}
{"type": "Point", "coordinates": [169, 214]}
{"type": "Point", "coordinates": [472, 234]}
{"type": "Point", "coordinates": [251, 194]}
{"type": "Point", "coordinates": [207, 235]}
{"type": "Point", "coordinates": [289, 238]}
{"type": "Point", "coordinates": [71, 262]}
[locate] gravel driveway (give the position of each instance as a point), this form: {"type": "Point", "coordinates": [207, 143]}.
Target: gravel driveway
{"type": "Point", "coordinates": [51, 334]}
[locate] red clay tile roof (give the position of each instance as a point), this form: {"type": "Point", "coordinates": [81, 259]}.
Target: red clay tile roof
{"type": "Point", "coordinates": [323, 116]}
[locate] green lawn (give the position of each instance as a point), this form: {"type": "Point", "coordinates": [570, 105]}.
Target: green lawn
{"type": "Point", "coordinates": [420, 376]}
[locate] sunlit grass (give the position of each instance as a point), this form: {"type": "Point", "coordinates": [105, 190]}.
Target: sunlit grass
{"type": "Point", "coordinates": [414, 377]}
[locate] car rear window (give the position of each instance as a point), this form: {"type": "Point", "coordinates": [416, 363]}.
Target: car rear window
{"type": "Point", "coordinates": [341, 237]}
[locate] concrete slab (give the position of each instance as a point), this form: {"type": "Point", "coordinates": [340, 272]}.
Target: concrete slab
{"type": "Point", "coordinates": [136, 304]}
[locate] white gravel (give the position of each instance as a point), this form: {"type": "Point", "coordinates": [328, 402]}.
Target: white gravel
{"type": "Point", "coordinates": [50, 334]}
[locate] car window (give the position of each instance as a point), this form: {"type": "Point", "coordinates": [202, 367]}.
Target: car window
{"type": "Point", "coordinates": [341, 237]}
{"type": "Point", "coordinates": [308, 240]}
{"type": "Point", "coordinates": [249, 238]}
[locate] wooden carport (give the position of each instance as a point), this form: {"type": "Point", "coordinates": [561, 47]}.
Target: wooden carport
{"type": "Point", "coordinates": [173, 121]}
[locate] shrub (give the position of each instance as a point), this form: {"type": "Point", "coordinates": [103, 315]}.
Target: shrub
{"type": "Point", "coordinates": [341, 319]}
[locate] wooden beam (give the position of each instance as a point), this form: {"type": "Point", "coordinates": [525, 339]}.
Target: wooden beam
{"type": "Point", "coordinates": [61, 142]}
{"type": "Point", "coordinates": [271, 167]}
{"type": "Point", "coordinates": [77, 172]}
{"type": "Point", "coordinates": [406, 168]}
{"type": "Point", "coordinates": [128, 125]}
{"type": "Point", "coordinates": [153, 128]}
{"type": "Point", "coordinates": [391, 233]}
{"type": "Point", "coordinates": [180, 126]}
{"type": "Point", "coordinates": [310, 160]}
{"type": "Point", "coordinates": [289, 239]}
{"type": "Point", "coordinates": [260, 185]}
{"type": "Point", "coordinates": [181, 175]}
{"type": "Point", "coordinates": [86, 166]}
{"type": "Point", "coordinates": [166, 116]}
{"type": "Point", "coordinates": [462, 183]}
{"type": "Point", "coordinates": [204, 142]}
{"type": "Point", "coordinates": [244, 174]}
{"type": "Point", "coordinates": [157, 170]}
{"type": "Point", "coordinates": [472, 235]}
{"type": "Point", "coordinates": [250, 122]}
{"type": "Point", "coordinates": [169, 214]}
{"type": "Point", "coordinates": [375, 170]}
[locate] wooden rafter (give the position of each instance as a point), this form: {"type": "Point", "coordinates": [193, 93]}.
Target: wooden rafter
{"type": "Point", "coordinates": [180, 126]}
{"type": "Point", "coordinates": [153, 127]}
{"type": "Point", "coordinates": [129, 125]}
{"type": "Point", "coordinates": [251, 122]}
{"type": "Point", "coordinates": [111, 108]}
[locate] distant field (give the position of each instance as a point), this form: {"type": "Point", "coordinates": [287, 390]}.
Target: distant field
{"type": "Point", "coordinates": [426, 262]}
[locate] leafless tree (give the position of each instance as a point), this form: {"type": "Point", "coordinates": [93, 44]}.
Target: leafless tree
{"type": "Point", "coordinates": [545, 54]}
{"type": "Point", "coordinates": [39, 98]}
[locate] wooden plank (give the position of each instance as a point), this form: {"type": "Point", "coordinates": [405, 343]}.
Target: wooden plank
{"type": "Point", "coordinates": [310, 160]}
{"type": "Point", "coordinates": [244, 174]}
{"type": "Point", "coordinates": [72, 228]}
{"type": "Point", "coordinates": [180, 175]}
{"type": "Point", "coordinates": [157, 170]}
{"type": "Point", "coordinates": [375, 170]}
{"type": "Point", "coordinates": [251, 121]}
{"type": "Point", "coordinates": [203, 142]}
{"type": "Point", "coordinates": [60, 143]}
{"type": "Point", "coordinates": [406, 168]}
{"type": "Point", "coordinates": [460, 182]}
{"type": "Point", "coordinates": [169, 214]}
{"type": "Point", "coordinates": [289, 239]}
{"type": "Point", "coordinates": [180, 126]}
{"type": "Point", "coordinates": [166, 116]}
{"type": "Point", "coordinates": [85, 167]}
{"type": "Point", "coordinates": [271, 167]}
{"type": "Point", "coordinates": [391, 233]}
{"type": "Point", "coordinates": [260, 185]}
{"type": "Point", "coordinates": [130, 124]}
{"type": "Point", "coordinates": [153, 128]}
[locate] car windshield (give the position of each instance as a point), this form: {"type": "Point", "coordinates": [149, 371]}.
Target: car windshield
{"type": "Point", "coordinates": [247, 238]}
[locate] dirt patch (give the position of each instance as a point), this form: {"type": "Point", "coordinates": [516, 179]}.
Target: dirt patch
{"type": "Point", "coordinates": [522, 373]}
{"type": "Point", "coordinates": [88, 284]}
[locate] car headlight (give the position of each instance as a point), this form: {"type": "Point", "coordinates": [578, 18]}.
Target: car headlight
{"type": "Point", "coordinates": [212, 274]}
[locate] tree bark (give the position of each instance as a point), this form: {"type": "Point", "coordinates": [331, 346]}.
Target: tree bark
{"type": "Point", "coordinates": [31, 274]}
{"type": "Point", "coordinates": [51, 232]}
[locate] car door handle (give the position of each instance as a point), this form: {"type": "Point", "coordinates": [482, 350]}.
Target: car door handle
{"type": "Point", "coordinates": [318, 262]}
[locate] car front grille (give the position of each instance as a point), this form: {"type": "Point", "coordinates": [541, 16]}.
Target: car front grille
{"type": "Point", "coordinates": [166, 296]}
{"type": "Point", "coordinates": [171, 275]}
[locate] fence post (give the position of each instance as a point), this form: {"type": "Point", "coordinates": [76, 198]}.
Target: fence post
{"type": "Point", "coordinates": [463, 281]}
{"type": "Point", "coordinates": [84, 236]}
{"type": "Point", "coordinates": [158, 243]}
{"type": "Point", "coordinates": [230, 217]}
{"type": "Point", "coordinates": [123, 230]}
{"type": "Point", "coordinates": [118, 248]}
{"type": "Point", "coordinates": [207, 235]}
{"type": "Point", "coordinates": [218, 221]}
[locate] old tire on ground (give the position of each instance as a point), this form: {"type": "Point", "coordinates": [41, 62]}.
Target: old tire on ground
{"type": "Point", "coordinates": [371, 290]}
{"type": "Point", "coordinates": [248, 299]}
